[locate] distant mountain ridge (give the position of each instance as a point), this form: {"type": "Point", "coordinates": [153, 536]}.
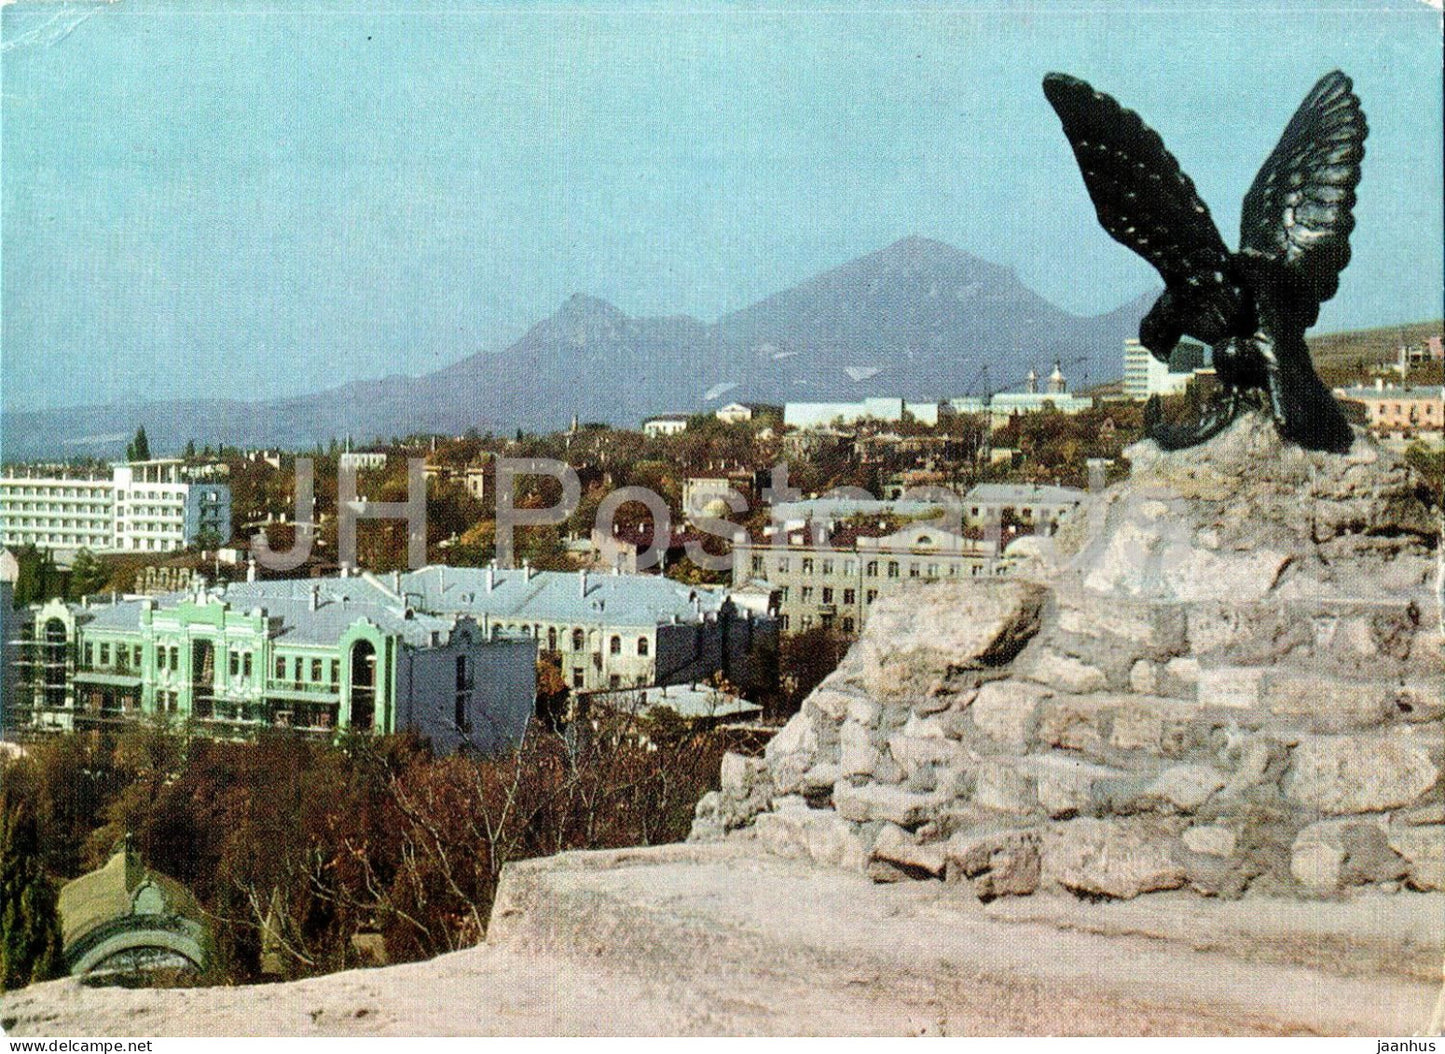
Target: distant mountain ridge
{"type": "Point", "coordinates": [919, 319]}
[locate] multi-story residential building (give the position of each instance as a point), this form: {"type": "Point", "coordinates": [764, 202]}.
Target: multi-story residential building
{"type": "Point", "coordinates": [606, 631]}
{"type": "Point", "coordinates": [145, 506]}
{"type": "Point", "coordinates": [1144, 375]}
{"type": "Point", "coordinates": [664, 425]}
{"type": "Point", "coordinates": [55, 512]}
{"type": "Point", "coordinates": [824, 415]}
{"type": "Point", "coordinates": [319, 656]}
{"type": "Point", "coordinates": [1395, 409]}
{"type": "Point", "coordinates": [826, 568]}
{"type": "Point", "coordinates": [734, 413]}
{"type": "Point", "coordinates": [981, 506]}
{"type": "Point", "coordinates": [1031, 504]}
{"type": "Point", "coordinates": [158, 510]}
{"type": "Point", "coordinates": [833, 585]}
{"type": "Point", "coordinates": [358, 460]}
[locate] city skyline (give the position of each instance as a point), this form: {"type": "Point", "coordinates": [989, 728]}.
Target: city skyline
{"type": "Point", "coordinates": [268, 202]}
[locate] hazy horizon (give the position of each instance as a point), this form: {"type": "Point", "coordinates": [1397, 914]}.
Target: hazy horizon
{"type": "Point", "coordinates": [266, 202]}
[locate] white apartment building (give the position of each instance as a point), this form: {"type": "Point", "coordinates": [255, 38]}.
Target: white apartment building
{"type": "Point", "coordinates": [833, 585]}
{"type": "Point", "coordinates": [362, 459]}
{"type": "Point", "coordinates": [664, 425]}
{"type": "Point", "coordinates": [887, 410]}
{"type": "Point", "coordinates": [145, 506]}
{"type": "Point", "coordinates": [1144, 375]}
{"type": "Point", "coordinates": [57, 513]}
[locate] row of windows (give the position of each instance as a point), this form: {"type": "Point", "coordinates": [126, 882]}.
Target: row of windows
{"type": "Point", "coordinates": [124, 655]}
{"type": "Point", "coordinates": [18, 538]}
{"type": "Point", "coordinates": [893, 568]}
{"type": "Point", "coordinates": [240, 665]}
{"type": "Point", "coordinates": [299, 667]}
{"type": "Point", "coordinates": [846, 624]}
{"type": "Point", "coordinates": [58, 521]}
{"type": "Point", "coordinates": [152, 544]}
{"type": "Point", "coordinates": [578, 639]}
{"type": "Point", "coordinates": [11, 507]}
{"type": "Point", "coordinates": [43, 491]}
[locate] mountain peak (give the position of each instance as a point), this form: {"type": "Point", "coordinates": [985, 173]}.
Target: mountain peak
{"type": "Point", "coordinates": [580, 307]}
{"type": "Point", "coordinates": [918, 254]}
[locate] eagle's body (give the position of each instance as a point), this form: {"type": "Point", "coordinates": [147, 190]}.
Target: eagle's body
{"type": "Point", "coordinates": [1253, 306]}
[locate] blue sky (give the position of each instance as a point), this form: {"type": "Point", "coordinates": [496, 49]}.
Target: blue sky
{"type": "Point", "coordinates": [240, 200]}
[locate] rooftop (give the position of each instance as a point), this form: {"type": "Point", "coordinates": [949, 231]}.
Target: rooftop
{"type": "Point", "coordinates": [690, 701]}
{"type": "Point", "coordinates": [1020, 493]}
{"type": "Point", "coordinates": [559, 596]}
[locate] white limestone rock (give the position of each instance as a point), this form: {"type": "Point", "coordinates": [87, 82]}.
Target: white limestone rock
{"type": "Point", "coordinates": [1358, 774]}
{"type": "Point", "coordinates": [1005, 787]}
{"type": "Point", "coordinates": [918, 635]}
{"type": "Point", "coordinates": [873, 801]}
{"type": "Point", "coordinates": [1332, 854]}
{"type": "Point", "coordinates": [1210, 840]}
{"type": "Point", "coordinates": [1329, 704]}
{"type": "Point", "coordinates": [996, 863]}
{"type": "Point", "coordinates": [1186, 787]}
{"type": "Point", "coordinates": [1109, 858]}
{"type": "Point", "coordinates": [1144, 677]}
{"type": "Point", "coordinates": [1423, 848]}
{"type": "Point", "coordinates": [819, 835]}
{"type": "Point", "coordinates": [1066, 673]}
{"type": "Point", "coordinates": [857, 754]}
{"type": "Point", "coordinates": [1005, 711]}
{"type": "Point", "coordinates": [904, 848]}
{"type": "Point", "coordinates": [1065, 785]}
{"type": "Point", "coordinates": [798, 736]}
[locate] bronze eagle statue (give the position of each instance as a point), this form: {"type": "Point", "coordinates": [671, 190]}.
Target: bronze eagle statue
{"type": "Point", "coordinates": [1252, 307]}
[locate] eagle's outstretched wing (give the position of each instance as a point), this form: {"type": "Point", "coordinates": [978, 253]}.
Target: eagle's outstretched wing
{"type": "Point", "coordinates": [1145, 201]}
{"type": "Point", "coordinates": [1298, 210]}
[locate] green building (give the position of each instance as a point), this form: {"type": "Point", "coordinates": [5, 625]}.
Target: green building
{"type": "Point", "coordinates": [295, 653]}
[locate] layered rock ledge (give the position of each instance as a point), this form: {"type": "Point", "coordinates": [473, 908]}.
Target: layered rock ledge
{"type": "Point", "coordinates": [1224, 674]}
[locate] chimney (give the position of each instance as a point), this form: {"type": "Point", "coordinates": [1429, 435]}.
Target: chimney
{"type": "Point", "coordinates": [315, 595]}
{"type": "Point", "coordinates": [527, 570]}
{"type": "Point", "coordinates": [396, 582]}
{"type": "Point", "coordinates": [251, 568]}
{"type": "Point", "coordinates": [491, 576]}
{"type": "Point", "coordinates": [1379, 384]}
{"type": "Point", "coordinates": [582, 582]}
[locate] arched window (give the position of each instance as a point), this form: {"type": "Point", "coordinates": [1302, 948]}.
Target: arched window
{"type": "Point", "coordinates": [579, 640]}
{"type": "Point", "coordinates": [614, 647]}
{"type": "Point", "coordinates": [641, 645]}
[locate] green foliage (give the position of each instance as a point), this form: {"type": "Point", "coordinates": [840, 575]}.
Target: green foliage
{"type": "Point", "coordinates": [30, 941]}
{"type": "Point", "coordinates": [1430, 465]}
{"type": "Point", "coordinates": [804, 659]}
{"type": "Point", "coordinates": [310, 843]}
{"type": "Point", "coordinates": [87, 575]}
{"type": "Point", "coordinates": [139, 448]}
{"type": "Point", "coordinates": [39, 578]}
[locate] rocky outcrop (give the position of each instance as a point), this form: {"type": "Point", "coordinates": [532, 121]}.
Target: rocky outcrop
{"type": "Point", "coordinates": [1224, 673]}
